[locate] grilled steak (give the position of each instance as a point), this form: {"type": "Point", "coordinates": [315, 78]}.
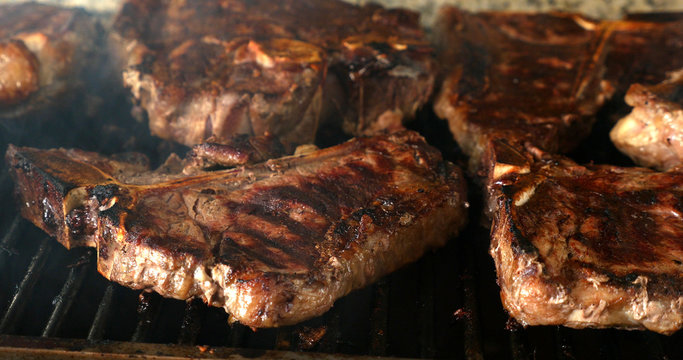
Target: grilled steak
{"type": "Point", "coordinates": [520, 77]}
{"type": "Point", "coordinates": [642, 49]}
{"type": "Point", "coordinates": [45, 53]}
{"type": "Point", "coordinates": [220, 68]}
{"type": "Point", "coordinates": [588, 246]}
{"type": "Point", "coordinates": [652, 134]}
{"type": "Point", "coordinates": [273, 243]}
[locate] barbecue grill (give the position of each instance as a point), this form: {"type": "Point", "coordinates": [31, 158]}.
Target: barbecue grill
{"type": "Point", "coordinates": [53, 303]}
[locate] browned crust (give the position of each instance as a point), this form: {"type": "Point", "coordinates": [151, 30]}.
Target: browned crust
{"type": "Point", "coordinates": [593, 246]}
{"type": "Point", "coordinates": [254, 66]}
{"type": "Point", "coordinates": [522, 77]}
{"type": "Point", "coordinates": [273, 243]}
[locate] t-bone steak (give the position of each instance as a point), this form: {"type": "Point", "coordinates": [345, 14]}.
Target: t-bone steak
{"type": "Point", "coordinates": [220, 68]}
{"type": "Point", "coordinates": [274, 243]}
{"type": "Point", "coordinates": [588, 246]}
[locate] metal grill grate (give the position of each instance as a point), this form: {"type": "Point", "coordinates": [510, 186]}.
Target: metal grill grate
{"type": "Point", "coordinates": [444, 306]}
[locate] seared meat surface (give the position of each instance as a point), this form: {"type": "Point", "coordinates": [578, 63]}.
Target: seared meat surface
{"type": "Point", "coordinates": [45, 53]}
{"type": "Point", "coordinates": [642, 50]}
{"type": "Point", "coordinates": [652, 134]}
{"type": "Point", "coordinates": [589, 246]}
{"type": "Point", "coordinates": [219, 68]}
{"type": "Point", "coordinates": [521, 77]}
{"type": "Point", "coordinates": [273, 243]}
{"type": "Point", "coordinates": [581, 246]}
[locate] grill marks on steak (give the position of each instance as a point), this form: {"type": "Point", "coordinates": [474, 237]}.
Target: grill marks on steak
{"type": "Point", "coordinates": [581, 246]}
{"type": "Point", "coordinates": [249, 67]}
{"type": "Point", "coordinates": [45, 53]}
{"type": "Point", "coordinates": [273, 243]}
{"type": "Point", "coordinates": [521, 77]}
{"type": "Point", "coordinates": [652, 134]}
{"type": "Point", "coordinates": [589, 246]}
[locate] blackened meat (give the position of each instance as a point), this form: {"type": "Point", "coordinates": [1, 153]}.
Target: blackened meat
{"type": "Point", "coordinates": [220, 68]}
{"type": "Point", "coordinates": [273, 243]}
{"type": "Point", "coordinates": [652, 134]}
{"type": "Point", "coordinates": [589, 246]}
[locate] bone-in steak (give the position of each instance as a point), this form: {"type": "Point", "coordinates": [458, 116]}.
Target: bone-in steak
{"type": "Point", "coordinates": [273, 243]}
{"type": "Point", "coordinates": [217, 68]}
{"type": "Point", "coordinates": [521, 77]}
{"type": "Point", "coordinates": [589, 246]}
{"type": "Point", "coordinates": [45, 53]}
{"type": "Point", "coordinates": [652, 134]}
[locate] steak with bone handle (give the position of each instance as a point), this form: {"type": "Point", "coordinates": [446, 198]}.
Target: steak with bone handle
{"type": "Point", "coordinates": [521, 77]}
{"type": "Point", "coordinates": [273, 243]}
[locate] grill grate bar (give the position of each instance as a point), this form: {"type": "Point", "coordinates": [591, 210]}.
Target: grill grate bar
{"type": "Point", "coordinates": [379, 319]}
{"type": "Point", "coordinates": [330, 342]}
{"type": "Point", "coordinates": [472, 331]}
{"type": "Point", "coordinates": [518, 345]}
{"type": "Point", "coordinates": [283, 339]}
{"type": "Point", "coordinates": [192, 323]}
{"type": "Point", "coordinates": [27, 284]}
{"type": "Point", "coordinates": [8, 240]}
{"type": "Point", "coordinates": [148, 311]}
{"type": "Point", "coordinates": [426, 309]}
{"type": "Point", "coordinates": [237, 332]}
{"type": "Point", "coordinates": [67, 296]}
{"type": "Point", "coordinates": [564, 348]}
{"type": "Point", "coordinates": [97, 328]}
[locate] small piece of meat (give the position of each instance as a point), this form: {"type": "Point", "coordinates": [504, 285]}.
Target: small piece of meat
{"type": "Point", "coordinates": [652, 134]}
{"type": "Point", "coordinates": [524, 77]}
{"type": "Point", "coordinates": [18, 72]}
{"type": "Point", "coordinates": [239, 150]}
{"type": "Point", "coordinates": [45, 54]}
{"type": "Point", "coordinates": [588, 246]}
{"type": "Point", "coordinates": [273, 243]}
{"type": "Point", "coordinates": [217, 69]}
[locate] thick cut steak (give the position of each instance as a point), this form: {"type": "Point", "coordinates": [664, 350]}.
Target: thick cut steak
{"type": "Point", "coordinates": [588, 246]}
{"type": "Point", "coordinates": [273, 243]}
{"type": "Point", "coordinates": [220, 68]}
{"type": "Point", "coordinates": [522, 77]}
{"type": "Point", "coordinates": [652, 134]}
{"type": "Point", "coordinates": [45, 54]}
